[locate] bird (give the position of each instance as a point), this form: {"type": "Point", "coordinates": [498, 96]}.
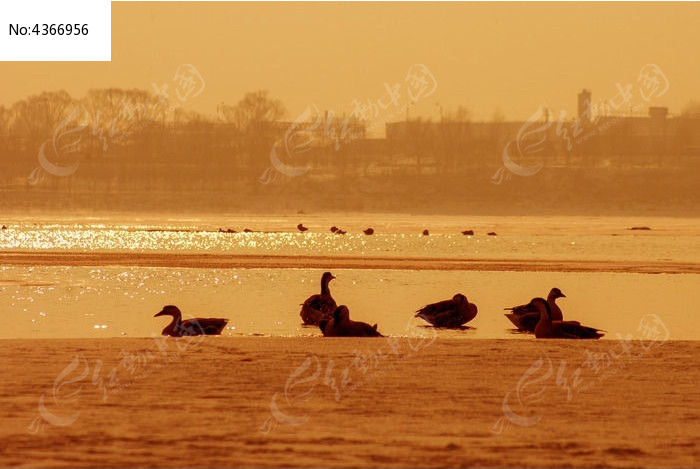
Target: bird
{"type": "Point", "coordinates": [334, 229]}
{"type": "Point", "coordinates": [426, 233]}
{"type": "Point", "coordinates": [452, 313]}
{"type": "Point", "coordinates": [340, 232]}
{"type": "Point", "coordinates": [548, 329]}
{"type": "Point", "coordinates": [492, 233]}
{"type": "Point", "coordinates": [247, 230]}
{"type": "Point", "coordinates": [197, 326]}
{"type": "Point", "coordinates": [340, 325]}
{"type": "Point", "coordinates": [368, 231]}
{"type": "Point", "coordinates": [301, 227]}
{"type": "Point", "coordinates": [468, 232]}
{"type": "Point", "coordinates": [316, 307]}
{"type": "Point", "coordinates": [525, 317]}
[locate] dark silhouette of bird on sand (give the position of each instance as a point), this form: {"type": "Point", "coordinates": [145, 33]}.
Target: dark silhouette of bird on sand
{"type": "Point", "coordinates": [190, 327]}
{"type": "Point", "coordinates": [525, 317]}
{"type": "Point", "coordinates": [368, 231]}
{"type": "Point", "coordinates": [319, 306]}
{"type": "Point", "coordinates": [468, 232]}
{"type": "Point", "coordinates": [452, 313]}
{"type": "Point", "coordinates": [340, 325]}
{"type": "Point", "coordinates": [334, 229]}
{"type": "Point", "coordinates": [426, 233]}
{"type": "Point", "coordinates": [546, 328]}
{"type": "Point", "coordinates": [301, 227]}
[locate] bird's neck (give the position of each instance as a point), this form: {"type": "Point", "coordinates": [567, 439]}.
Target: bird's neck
{"type": "Point", "coordinates": [174, 325]}
{"type": "Point", "coordinates": [554, 307]}
{"type": "Point", "coordinates": [325, 290]}
{"type": "Point", "coordinates": [544, 324]}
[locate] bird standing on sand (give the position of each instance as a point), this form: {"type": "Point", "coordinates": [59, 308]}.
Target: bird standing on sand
{"type": "Point", "coordinates": [334, 229]}
{"type": "Point", "coordinates": [301, 227]}
{"type": "Point", "coordinates": [548, 329]}
{"type": "Point", "coordinates": [468, 232]}
{"type": "Point", "coordinates": [452, 313]}
{"type": "Point", "coordinates": [426, 233]}
{"type": "Point", "coordinates": [525, 317]}
{"type": "Point", "coordinates": [190, 327]}
{"type": "Point", "coordinates": [340, 325]}
{"type": "Point", "coordinates": [317, 307]}
{"type": "Point", "coordinates": [368, 231]}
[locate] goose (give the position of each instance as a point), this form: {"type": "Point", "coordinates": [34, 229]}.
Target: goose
{"type": "Point", "coordinates": [525, 317]}
{"type": "Point", "coordinates": [548, 329]}
{"type": "Point", "coordinates": [340, 325]}
{"type": "Point", "coordinates": [197, 326]}
{"type": "Point", "coordinates": [468, 232]}
{"type": "Point", "coordinates": [426, 233]}
{"type": "Point", "coordinates": [334, 229]}
{"type": "Point", "coordinates": [316, 307]}
{"type": "Point", "coordinates": [301, 227]}
{"type": "Point", "coordinates": [369, 231]}
{"type": "Point", "coordinates": [452, 313]}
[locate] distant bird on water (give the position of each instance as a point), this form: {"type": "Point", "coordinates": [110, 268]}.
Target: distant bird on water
{"type": "Point", "coordinates": [492, 233]}
{"type": "Point", "coordinates": [317, 307]}
{"type": "Point", "coordinates": [468, 232]}
{"type": "Point", "coordinates": [368, 231]}
{"type": "Point", "coordinates": [301, 227]}
{"type": "Point", "coordinates": [525, 317]}
{"type": "Point", "coordinates": [334, 229]}
{"type": "Point", "coordinates": [190, 327]}
{"type": "Point", "coordinates": [247, 230]}
{"type": "Point", "coordinates": [452, 313]}
{"type": "Point", "coordinates": [548, 329]}
{"type": "Point", "coordinates": [426, 233]}
{"type": "Point", "coordinates": [340, 325]}
{"type": "Point", "coordinates": [340, 232]}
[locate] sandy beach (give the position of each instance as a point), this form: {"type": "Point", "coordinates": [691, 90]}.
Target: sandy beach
{"type": "Point", "coordinates": [315, 402]}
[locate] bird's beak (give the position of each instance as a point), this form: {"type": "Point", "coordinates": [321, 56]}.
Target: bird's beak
{"type": "Point", "coordinates": [161, 313]}
{"type": "Point", "coordinates": [562, 295]}
{"type": "Point", "coordinates": [332, 277]}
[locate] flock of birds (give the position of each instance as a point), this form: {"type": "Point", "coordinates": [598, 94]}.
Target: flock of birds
{"type": "Point", "coordinates": [334, 229]}
{"type": "Point", "coordinates": [542, 317]}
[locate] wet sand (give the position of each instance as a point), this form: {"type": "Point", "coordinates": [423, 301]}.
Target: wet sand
{"type": "Point", "coordinates": [348, 402]}
{"type": "Point", "coordinates": [217, 261]}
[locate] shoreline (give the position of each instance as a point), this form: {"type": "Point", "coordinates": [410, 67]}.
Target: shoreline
{"type": "Point", "coordinates": [232, 261]}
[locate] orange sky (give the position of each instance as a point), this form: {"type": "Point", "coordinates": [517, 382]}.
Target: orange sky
{"type": "Point", "coordinates": [485, 56]}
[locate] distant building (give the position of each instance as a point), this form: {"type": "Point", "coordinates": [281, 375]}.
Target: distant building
{"type": "Point", "coordinates": [585, 109]}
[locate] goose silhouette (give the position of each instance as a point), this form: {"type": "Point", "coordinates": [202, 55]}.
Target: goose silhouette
{"type": "Point", "coordinates": [546, 328]}
{"type": "Point", "coordinates": [319, 306]}
{"type": "Point", "coordinates": [340, 325]}
{"type": "Point", "coordinates": [190, 327]}
{"type": "Point", "coordinates": [452, 313]}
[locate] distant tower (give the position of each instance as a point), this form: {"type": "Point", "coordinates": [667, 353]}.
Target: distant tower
{"type": "Point", "coordinates": [585, 111]}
